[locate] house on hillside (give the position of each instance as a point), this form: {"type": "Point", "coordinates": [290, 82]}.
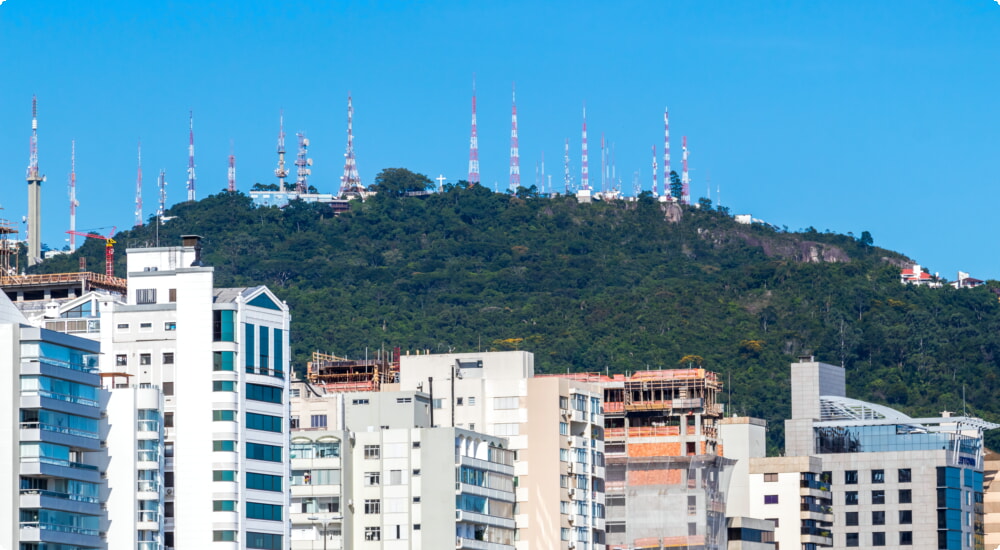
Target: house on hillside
{"type": "Point", "coordinates": [965, 281]}
{"type": "Point", "coordinates": [917, 276]}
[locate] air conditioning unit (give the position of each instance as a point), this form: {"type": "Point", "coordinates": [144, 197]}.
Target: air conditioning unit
{"type": "Point", "coordinates": [169, 491]}
{"type": "Point", "coordinates": [572, 493]}
{"type": "Point", "coordinates": [458, 515]}
{"type": "Point", "coordinates": [458, 542]}
{"type": "Point", "coordinates": [572, 467]}
{"type": "Point", "coordinates": [571, 544]}
{"type": "Point", "coordinates": [572, 520]}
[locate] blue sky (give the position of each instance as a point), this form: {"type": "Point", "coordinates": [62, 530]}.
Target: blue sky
{"type": "Point", "coordinates": [848, 116]}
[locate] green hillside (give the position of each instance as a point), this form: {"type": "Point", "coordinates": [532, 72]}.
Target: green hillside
{"type": "Point", "coordinates": [607, 286]}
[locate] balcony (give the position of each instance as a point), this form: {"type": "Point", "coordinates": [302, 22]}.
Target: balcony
{"type": "Point", "coordinates": [813, 488]}
{"type": "Point", "coordinates": [817, 535]}
{"type": "Point", "coordinates": [479, 544]}
{"type": "Point", "coordinates": [818, 512]}
{"type": "Point", "coordinates": [54, 467]}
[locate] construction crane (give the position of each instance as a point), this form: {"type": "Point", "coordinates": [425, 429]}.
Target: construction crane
{"type": "Point", "coordinates": [109, 248]}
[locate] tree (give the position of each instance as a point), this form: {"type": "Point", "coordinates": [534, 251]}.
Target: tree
{"type": "Point", "coordinates": [397, 182]}
{"type": "Point", "coordinates": [866, 239]}
{"type": "Point", "coordinates": [705, 203]}
{"type": "Point", "coordinates": [676, 186]}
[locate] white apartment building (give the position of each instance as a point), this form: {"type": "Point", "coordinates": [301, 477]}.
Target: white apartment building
{"type": "Point", "coordinates": [368, 471]}
{"type": "Point", "coordinates": [214, 360]}
{"type": "Point", "coordinates": [555, 425]}
{"type": "Point", "coordinates": [51, 487]}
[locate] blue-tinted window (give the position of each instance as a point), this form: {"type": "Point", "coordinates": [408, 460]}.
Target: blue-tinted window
{"type": "Point", "coordinates": [269, 394]}
{"type": "Point", "coordinates": [279, 350]}
{"type": "Point", "coordinates": [263, 482]}
{"type": "Point", "coordinates": [266, 541]}
{"type": "Point", "coordinates": [249, 346]}
{"type": "Point", "coordinates": [223, 326]}
{"type": "Point", "coordinates": [259, 451]}
{"type": "Point", "coordinates": [268, 512]}
{"type": "Point", "coordinates": [264, 422]}
{"type": "Point", "coordinates": [222, 360]}
{"type": "Point", "coordinates": [223, 385]}
{"type": "Point", "coordinates": [263, 347]}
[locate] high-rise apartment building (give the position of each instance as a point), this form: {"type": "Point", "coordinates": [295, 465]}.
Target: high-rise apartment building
{"type": "Point", "coordinates": [51, 486]}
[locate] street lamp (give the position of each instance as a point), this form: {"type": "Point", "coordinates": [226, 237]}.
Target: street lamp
{"type": "Point", "coordinates": [326, 520]}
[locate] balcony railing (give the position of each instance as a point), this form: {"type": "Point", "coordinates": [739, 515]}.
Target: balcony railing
{"type": "Point", "coordinates": [818, 508]}
{"type": "Point", "coordinates": [813, 484]}
{"type": "Point", "coordinates": [58, 429]}
{"type": "Point", "coordinates": [58, 462]}
{"type": "Point", "coordinates": [59, 528]}
{"type": "Point", "coordinates": [64, 496]}
{"type": "Point", "coordinates": [60, 397]}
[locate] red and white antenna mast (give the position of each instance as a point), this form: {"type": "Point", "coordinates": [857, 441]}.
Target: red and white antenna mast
{"type": "Point", "coordinates": [73, 203]}
{"type": "Point", "coordinates": [190, 186]}
{"type": "Point", "coordinates": [35, 179]}
{"type": "Point", "coordinates": [232, 168]}
{"type": "Point", "coordinates": [281, 172]}
{"type": "Point", "coordinates": [138, 189]}
{"type": "Point", "coordinates": [303, 163]}
{"type": "Point", "coordinates": [655, 181]}
{"type": "Point", "coordinates": [515, 160]}
{"type": "Point", "coordinates": [566, 176]}
{"type": "Point", "coordinates": [666, 154]}
{"type": "Point", "coordinates": [584, 174]}
{"type": "Point", "coordinates": [350, 182]}
{"type": "Point", "coordinates": [685, 179]}
{"type": "Point", "coordinates": [474, 141]}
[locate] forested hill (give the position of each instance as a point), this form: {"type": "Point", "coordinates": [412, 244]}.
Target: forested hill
{"type": "Point", "coordinates": [607, 286]}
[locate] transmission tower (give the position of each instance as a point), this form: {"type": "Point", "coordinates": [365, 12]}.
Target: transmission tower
{"type": "Point", "coordinates": [515, 161]}
{"type": "Point", "coordinates": [666, 155]}
{"type": "Point", "coordinates": [685, 178]}
{"type": "Point", "coordinates": [35, 179]}
{"type": "Point", "coordinates": [655, 193]}
{"type": "Point", "coordinates": [190, 185]}
{"type": "Point", "coordinates": [350, 182]}
{"type": "Point", "coordinates": [566, 176]}
{"type": "Point", "coordinates": [281, 172]}
{"type": "Point", "coordinates": [584, 175]}
{"type": "Point", "coordinates": [303, 163]}
{"type": "Point", "coordinates": [138, 189]}
{"type": "Point", "coordinates": [474, 142]}
{"type": "Point", "coordinates": [73, 203]}
{"type": "Point", "coordinates": [232, 168]}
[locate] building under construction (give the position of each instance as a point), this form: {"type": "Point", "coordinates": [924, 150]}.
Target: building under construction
{"type": "Point", "coordinates": [666, 479]}
{"type": "Point", "coordinates": [339, 374]}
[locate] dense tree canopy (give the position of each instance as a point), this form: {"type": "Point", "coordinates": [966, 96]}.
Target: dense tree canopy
{"type": "Point", "coordinates": [607, 286]}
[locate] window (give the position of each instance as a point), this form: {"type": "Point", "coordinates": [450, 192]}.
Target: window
{"type": "Point", "coordinates": [373, 533]}
{"type": "Point", "coordinates": [268, 394]}
{"type": "Point", "coordinates": [359, 402]}
{"type": "Point", "coordinates": [459, 401]}
{"type": "Point", "coordinates": [168, 358]}
{"type": "Point", "coordinates": [372, 451]}
{"type": "Point", "coordinates": [224, 536]}
{"type": "Point", "coordinates": [267, 512]}
{"type": "Point", "coordinates": [293, 422]}
{"type": "Point", "coordinates": [145, 296]}
{"type": "Point", "coordinates": [851, 477]}
{"type": "Point", "coordinates": [563, 428]}
{"type": "Point", "coordinates": [222, 360]}
{"type": "Point", "coordinates": [438, 403]}
{"type": "Point", "coordinates": [263, 482]}
{"type": "Point", "coordinates": [472, 400]}
{"type": "Point", "coordinates": [145, 358]}
{"type": "Point", "coordinates": [264, 347]}
{"type": "Point", "coordinates": [224, 475]}
{"type": "Point", "coordinates": [416, 471]}
{"type": "Point", "coordinates": [905, 475]}
{"type": "Point", "coordinates": [905, 517]}
{"type": "Point", "coordinates": [850, 498]}
{"type": "Point", "coordinates": [878, 538]}
{"type": "Point", "coordinates": [503, 403]}
{"type": "Point", "coordinates": [774, 521]}
{"type": "Point", "coordinates": [878, 476]}
{"type": "Point", "coordinates": [223, 505]}
{"type": "Point", "coordinates": [265, 541]}
{"type": "Point", "coordinates": [172, 295]}
{"type": "Point", "coordinates": [506, 430]}
{"type": "Point", "coordinates": [905, 496]}
{"type": "Point", "coordinates": [770, 499]}
{"type": "Point", "coordinates": [168, 449]}
{"type": "Point", "coordinates": [373, 479]}
{"type": "Point", "coordinates": [223, 385]}
{"type": "Point", "coordinates": [224, 446]}
{"type": "Point", "coordinates": [851, 539]}
{"type": "Point", "coordinates": [224, 416]}
{"type": "Point", "coordinates": [168, 388]}
{"type": "Point", "coordinates": [145, 327]}
{"type": "Point", "coordinates": [851, 518]}
{"type": "Point", "coordinates": [878, 497]}
{"type": "Point", "coordinates": [770, 477]}
{"type": "Point", "coordinates": [168, 420]}
{"type": "Point", "coordinates": [121, 360]}
{"type": "Point", "coordinates": [122, 327]}
{"type": "Point", "coordinates": [223, 325]}
{"type": "Point", "coordinates": [878, 517]}
{"type": "Point", "coordinates": [249, 347]}
{"type": "Point", "coordinates": [259, 451]}
{"type": "Point", "coordinates": [373, 506]}
{"type": "Point", "coordinates": [264, 422]}
{"type": "Point", "coordinates": [906, 538]}
{"type": "Point", "coordinates": [170, 326]}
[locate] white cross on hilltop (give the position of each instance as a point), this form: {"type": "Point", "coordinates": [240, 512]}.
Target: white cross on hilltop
{"type": "Point", "coordinates": [441, 179]}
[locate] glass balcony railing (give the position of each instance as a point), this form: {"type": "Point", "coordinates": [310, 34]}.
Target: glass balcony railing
{"type": "Point", "coordinates": [54, 494]}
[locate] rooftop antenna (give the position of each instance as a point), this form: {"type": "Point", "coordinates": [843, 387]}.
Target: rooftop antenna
{"type": "Point", "coordinates": [515, 160]}
{"type": "Point", "coordinates": [162, 184]}
{"type": "Point", "coordinates": [584, 174]}
{"type": "Point", "coordinates": [685, 178]}
{"type": "Point", "coordinates": [566, 176]}
{"type": "Point", "coordinates": [138, 189]}
{"type": "Point", "coordinates": [666, 153]}
{"type": "Point", "coordinates": [604, 165]}
{"type": "Point", "coordinates": [281, 172]}
{"type": "Point", "coordinates": [35, 179]}
{"type": "Point", "coordinates": [655, 192]}
{"type": "Point", "coordinates": [542, 187]}
{"type": "Point", "coordinates": [474, 141]}
{"type": "Point", "coordinates": [190, 186]}
{"type": "Point", "coordinates": [636, 186]}
{"type": "Point", "coordinates": [350, 182]}
{"type": "Point", "coordinates": [303, 163]}
{"type": "Point", "coordinates": [232, 168]}
{"type": "Point", "coordinates": [73, 203]}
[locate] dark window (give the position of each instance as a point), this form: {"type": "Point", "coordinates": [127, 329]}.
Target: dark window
{"type": "Point", "coordinates": [878, 497]}
{"type": "Point", "coordinates": [223, 385]}
{"type": "Point", "coordinates": [905, 538]}
{"type": "Point", "coordinates": [905, 475]}
{"type": "Point", "coordinates": [851, 477]}
{"type": "Point", "coordinates": [268, 394]}
{"type": "Point", "coordinates": [878, 517]}
{"type": "Point", "coordinates": [770, 499]}
{"type": "Point", "coordinates": [263, 482]}
{"type": "Point", "coordinates": [905, 517]}
{"type": "Point", "coordinates": [145, 358]}
{"type": "Point", "coordinates": [264, 422]}
{"type": "Point", "coordinates": [878, 538]}
{"type": "Point", "coordinates": [168, 388]}
{"type": "Point", "coordinates": [851, 539]}
{"type": "Point", "coordinates": [267, 512]}
{"type": "Point", "coordinates": [265, 541]}
{"type": "Point", "coordinates": [259, 451]}
{"type": "Point", "coordinates": [318, 421]}
{"type": "Point", "coordinates": [168, 420]}
{"type": "Point", "coordinates": [851, 498]}
{"type": "Point", "coordinates": [851, 518]}
{"type": "Point", "coordinates": [168, 479]}
{"type": "Point", "coordinates": [168, 358]}
{"type": "Point", "coordinates": [878, 476]}
{"type": "Point", "coordinates": [172, 295]}
{"type": "Point", "coordinates": [905, 496]}
{"type": "Point", "coordinates": [223, 326]}
{"type": "Point", "coordinates": [145, 296]}
{"type": "Point", "coordinates": [121, 360]}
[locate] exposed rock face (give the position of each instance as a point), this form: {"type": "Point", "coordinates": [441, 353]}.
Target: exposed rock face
{"type": "Point", "coordinates": [672, 212]}
{"type": "Point", "coordinates": [786, 248]}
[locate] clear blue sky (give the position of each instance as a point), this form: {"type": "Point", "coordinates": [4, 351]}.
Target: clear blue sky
{"type": "Point", "coordinates": [849, 116]}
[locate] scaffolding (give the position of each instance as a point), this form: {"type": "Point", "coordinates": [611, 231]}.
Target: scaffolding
{"type": "Point", "coordinates": [86, 279]}
{"type": "Point", "coordinates": [340, 374]}
{"type": "Point", "coordinates": [8, 249]}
